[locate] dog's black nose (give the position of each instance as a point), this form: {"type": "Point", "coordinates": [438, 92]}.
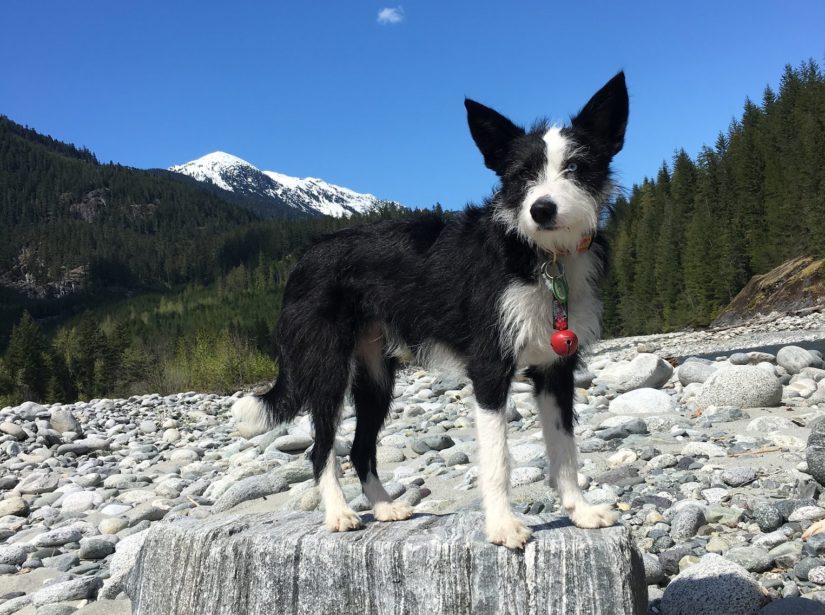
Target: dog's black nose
{"type": "Point", "coordinates": [544, 211]}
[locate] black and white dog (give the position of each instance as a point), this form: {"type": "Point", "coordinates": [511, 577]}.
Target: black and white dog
{"type": "Point", "coordinates": [469, 287]}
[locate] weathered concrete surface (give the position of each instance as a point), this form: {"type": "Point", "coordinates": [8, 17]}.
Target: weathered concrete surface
{"type": "Point", "coordinates": [287, 563]}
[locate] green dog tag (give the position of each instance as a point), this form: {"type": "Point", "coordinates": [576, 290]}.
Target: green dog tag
{"type": "Point", "coordinates": [560, 289]}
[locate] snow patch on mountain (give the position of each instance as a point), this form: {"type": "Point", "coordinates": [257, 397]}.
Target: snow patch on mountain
{"type": "Point", "coordinates": [309, 195]}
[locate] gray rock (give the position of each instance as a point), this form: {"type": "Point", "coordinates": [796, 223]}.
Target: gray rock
{"type": "Point", "coordinates": [295, 472]}
{"type": "Point", "coordinates": [642, 402]}
{"type": "Point", "coordinates": [14, 430]}
{"type": "Point", "coordinates": [525, 476]}
{"type": "Point", "coordinates": [695, 370]}
{"type": "Point", "coordinates": [686, 522]}
{"type": "Point", "coordinates": [64, 562]}
{"type": "Point", "coordinates": [793, 606]}
{"type": "Point", "coordinates": [62, 420]}
{"type": "Point", "coordinates": [15, 506]}
{"type": "Point", "coordinates": [795, 359]}
{"type": "Point", "coordinates": [293, 443]}
{"type": "Point", "coordinates": [457, 458]}
{"type": "Point", "coordinates": [752, 559]}
{"type": "Point", "coordinates": [654, 573]}
{"type": "Point", "coordinates": [703, 449]}
{"type": "Point", "coordinates": [148, 426]}
{"type": "Point", "coordinates": [15, 604]}
{"type": "Point", "coordinates": [389, 454]}
{"type": "Point", "coordinates": [817, 575]}
{"type": "Point", "coordinates": [38, 482]}
{"type": "Point", "coordinates": [76, 589]}
{"type": "Point", "coordinates": [745, 386]}
{"type": "Point", "coordinates": [429, 564]}
{"type": "Point", "coordinates": [58, 537]}
{"type": "Point", "coordinates": [95, 548]}
{"type": "Point", "coordinates": [83, 447]}
{"type": "Point", "coordinates": [805, 565]}
{"type": "Point", "coordinates": [121, 564]}
{"type": "Point", "coordinates": [644, 371]}
{"type": "Point", "coordinates": [767, 517]}
{"type": "Point", "coordinates": [439, 443]}
{"type": "Point", "coordinates": [249, 489]}
{"type": "Point", "coordinates": [8, 483]}
{"type": "Point", "coordinates": [713, 586]}
{"type": "Point", "coordinates": [738, 476]}
{"type": "Point", "coordinates": [12, 555]}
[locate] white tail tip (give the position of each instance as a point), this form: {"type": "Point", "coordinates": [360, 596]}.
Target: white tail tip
{"type": "Point", "coordinates": [250, 416]}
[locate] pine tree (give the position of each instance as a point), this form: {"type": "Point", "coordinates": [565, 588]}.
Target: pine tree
{"type": "Point", "coordinates": [26, 360]}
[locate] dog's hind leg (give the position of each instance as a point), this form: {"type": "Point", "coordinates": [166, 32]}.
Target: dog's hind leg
{"type": "Point", "coordinates": [325, 400]}
{"type": "Point", "coordinates": [492, 384]}
{"type": "Point", "coordinates": [554, 388]}
{"type": "Point", "coordinates": [372, 395]}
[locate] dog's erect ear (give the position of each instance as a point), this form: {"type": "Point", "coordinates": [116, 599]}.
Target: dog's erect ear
{"type": "Point", "coordinates": [604, 116]}
{"type": "Point", "coordinates": [493, 134]}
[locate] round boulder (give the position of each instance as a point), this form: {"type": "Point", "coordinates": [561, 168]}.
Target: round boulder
{"type": "Point", "coordinates": [713, 586]}
{"type": "Point", "coordinates": [644, 371]}
{"type": "Point", "coordinates": [695, 371]}
{"type": "Point", "coordinates": [795, 359]}
{"type": "Point", "coordinates": [643, 401]}
{"type": "Point", "coordinates": [743, 386]}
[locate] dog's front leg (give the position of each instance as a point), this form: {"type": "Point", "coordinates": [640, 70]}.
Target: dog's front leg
{"type": "Point", "coordinates": [554, 389]}
{"type": "Point", "coordinates": [503, 528]}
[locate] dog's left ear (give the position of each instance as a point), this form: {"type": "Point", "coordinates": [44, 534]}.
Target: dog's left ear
{"type": "Point", "coordinates": [604, 116]}
{"type": "Point", "coordinates": [493, 134]}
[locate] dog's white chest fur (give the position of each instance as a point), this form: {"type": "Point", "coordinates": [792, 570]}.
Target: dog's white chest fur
{"type": "Point", "coordinates": [526, 312]}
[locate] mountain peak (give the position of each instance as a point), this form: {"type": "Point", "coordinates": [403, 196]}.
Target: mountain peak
{"type": "Point", "coordinates": [221, 158]}
{"type": "Point", "coordinates": [309, 195]}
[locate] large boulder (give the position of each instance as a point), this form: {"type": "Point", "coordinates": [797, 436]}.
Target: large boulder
{"type": "Point", "coordinates": [288, 563]}
{"type": "Point", "coordinates": [713, 586]}
{"type": "Point", "coordinates": [743, 386]}
{"type": "Point", "coordinates": [642, 402]}
{"type": "Point", "coordinates": [795, 359]}
{"type": "Point", "coordinates": [644, 371]}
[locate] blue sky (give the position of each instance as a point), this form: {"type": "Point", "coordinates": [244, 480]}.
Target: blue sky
{"type": "Point", "coordinates": [329, 90]}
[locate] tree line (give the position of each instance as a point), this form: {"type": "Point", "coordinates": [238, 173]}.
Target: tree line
{"type": "Point", "coordinates": [685, 242]}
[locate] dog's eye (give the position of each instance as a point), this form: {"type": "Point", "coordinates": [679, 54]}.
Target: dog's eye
{"type": "Point", "coordinates": [571, 167]}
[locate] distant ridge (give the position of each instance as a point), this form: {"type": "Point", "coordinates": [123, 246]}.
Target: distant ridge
{"type": "Point", "coordinates": [308, 196]}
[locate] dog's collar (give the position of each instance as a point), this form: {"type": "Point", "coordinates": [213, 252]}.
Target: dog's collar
{"type": "Point", "coordinates": [583, 246]}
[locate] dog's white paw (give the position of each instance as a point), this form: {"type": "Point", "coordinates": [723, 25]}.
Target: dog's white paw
{"type": "Point", "coordinates": [509, 532]}
{"type": "Point", "coordinates": [392, 511]}
{"type": "Point", "coordinates": [589, 517]}
{"type": "Point", "coordinates": [343, 521]}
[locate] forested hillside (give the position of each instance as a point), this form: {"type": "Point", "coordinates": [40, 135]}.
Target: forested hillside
{"type": "Point", "coordinates": [685, 242]}
{"type": "Point", "coordinates": [66, 218]}
{"type": "Point", "coordinates": [115, 280]}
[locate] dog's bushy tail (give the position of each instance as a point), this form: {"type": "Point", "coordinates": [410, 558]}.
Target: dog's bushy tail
{"type": "Point", "coordinates": [256, 414]}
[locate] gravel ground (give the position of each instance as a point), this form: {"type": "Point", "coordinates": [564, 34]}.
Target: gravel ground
{"type": "Point", "coordinates": [708, 464]}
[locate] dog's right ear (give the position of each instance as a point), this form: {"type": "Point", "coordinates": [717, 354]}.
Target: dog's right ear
{"type": "Point", "coordinates": [493, 134]}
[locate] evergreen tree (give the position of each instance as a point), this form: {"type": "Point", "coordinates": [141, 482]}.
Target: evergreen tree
{"type": "Point", "coordinates": [26, 360]}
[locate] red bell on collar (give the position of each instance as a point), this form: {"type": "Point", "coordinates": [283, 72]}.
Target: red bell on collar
{"type": "Point", "coordinates": [565, 343]}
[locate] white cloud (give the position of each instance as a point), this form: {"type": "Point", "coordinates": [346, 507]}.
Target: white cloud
{"type": "Point", "coordinates": [390, 15]}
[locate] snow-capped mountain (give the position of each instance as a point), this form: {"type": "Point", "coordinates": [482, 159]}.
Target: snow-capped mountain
{"type": "Point", "coordinates": [309, 195]}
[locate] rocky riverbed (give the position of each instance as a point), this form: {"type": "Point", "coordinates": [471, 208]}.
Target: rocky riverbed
{"type": "Point", "coordinates": [707, 462]}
